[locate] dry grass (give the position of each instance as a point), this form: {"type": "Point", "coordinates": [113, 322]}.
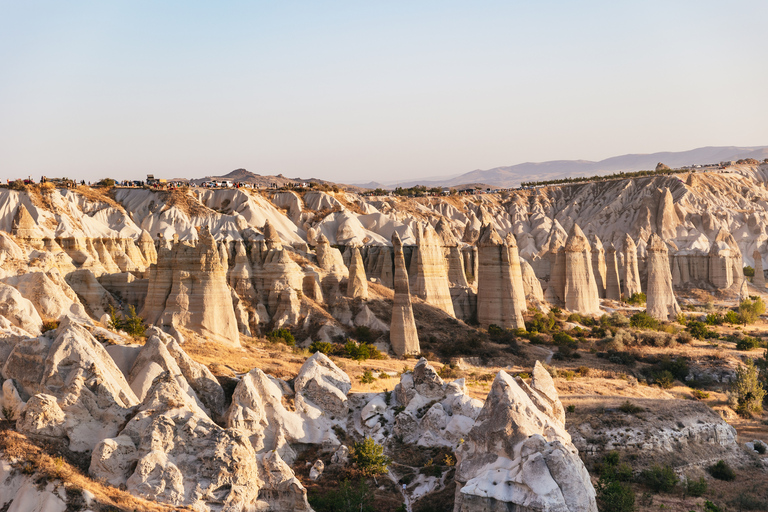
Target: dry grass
{"type": "Point", "coordinates": [184, 202]}
{"type": "Point", "coordinates": [102, 195]}
{"type": "Point", "coordinates": [36, 460]}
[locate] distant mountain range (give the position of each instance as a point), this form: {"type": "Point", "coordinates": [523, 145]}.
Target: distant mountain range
{"type": "Point", "coordinates": [512, 176]}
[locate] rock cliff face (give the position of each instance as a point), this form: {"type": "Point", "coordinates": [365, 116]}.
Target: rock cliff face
{"type": "Point", "coordinates": [402, 331]}
{"type": "Point", "coordinates": [497, 297]}
{"type": "Point", "coordinates": [518, 456]}
{"type": "Point", "coordinates": [188, 288]}
{"type": "Point", "coordinates": [660, 298]}
{"type": "Point", "coordinates": [580, 288]}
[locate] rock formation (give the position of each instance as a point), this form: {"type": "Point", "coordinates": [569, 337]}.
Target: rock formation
{"type": "Point", "coordinates": [580, 288]}
{"type": "Point", "coordinates": [631, 275]}
{"type": "Point", "coordinates": [500, 284]}
{"type": "Point", "coordinates": [660, 301]}
{"type": "Point", "coordinates": [357, 286]}
{"type": "Point", "coordinates": [402, 330]}
{"type": "Point", "coordinates": [518, 456]}
{"type": "Point", "coordinates": [667, 216]}
{"type": "Point", "coordinates": [430, 281]}
{"type": "Point", "coordinates": [759, 279]}
{"type": "Point", "coordinates": [531, 284]}
{"type": "Point", "coordinates": [188, 288]}
{"type": "Point", "coordinates": [612, 279]}
{"type": "Point", "coordinates": [599, 267]}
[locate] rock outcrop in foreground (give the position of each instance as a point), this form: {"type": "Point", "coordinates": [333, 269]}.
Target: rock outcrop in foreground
{"type": "Point", "coordinates": [518, 456]}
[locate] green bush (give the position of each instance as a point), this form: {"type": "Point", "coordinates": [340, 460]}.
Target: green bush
{"type": "Point", "coordinates": [106, 182]}
{"type": "Point", "coordinates": [664, 379]}
{"type": "Point", "coordinates": [750, 310]}
{"type": "Point", "coordinates": [281, 336]}
{"type": "Point", "coordinates": [714, 319]}
{"type": "Point", "coordinates": [321, 346]}
{"type": "Point", "coordinates": [561, 338]}
{"type": "Point", "coordinates": [733, 318]}
{"type": "Point", "coordinates": [369, 457]}
{"type": "Point", "coordinates": [699, 331]}
{"type": "Point", "coordinates": [50, 325]}
{"type": "Point", "coordinates": [722, 471]}
{"type": "Point", "coordinates": [749, 271]}
{"type": "Point", "coordinates": [642, 320]}
{"type": "Point", "coordinates": [361, 351]}
{"type": "Point", "coordinates": [748, 390]}
{"type": "Point", "coordinates": [637, 299]}
{"type": "Point", "coordinates": [660, 478]}
{"type": "Point", "coordinates": [711, 507]}
{"type": "Point", "coordinates": [363, 333]}
{"type": "Point", "coordinates": [132, 324]}
{"type": "Point", "coordinates": [747, 343]}
{"type": "Point", "coordinates": [699, 395]}
{"type": "Point", "coordinates": [696, 488]}
{"type": "Point", "coordinates": [367, 377]}
{"type": "Point", "coordinates": [613, 491]}
{"type": "Point", "coordinates": [347, 498]}
{"type": "Point", "coordinates": [630, 408]}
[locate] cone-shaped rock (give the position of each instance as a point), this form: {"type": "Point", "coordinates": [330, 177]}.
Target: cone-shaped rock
{"type": "Point", "coordinates": [357, 286]}
{"type": "Point", "coordinates": [759, 279]}
{"type": "Point", "coordinates": [599, 266]}
{"type": "Point", "coordinates": [516, 273]}
{"type": "Point", "coordinates": [661, 302]}
{"type": "Point", "coordinates": [666, 216]}
{"type": "Point", "coordinates": [402, 331]}
{"type": "Point", "coordinates": [612, 280]}
{"type": "Point", "coordinates": [271, 237]}
{"type": "Point", "coordinates": [580, 287]}
{"type": "Point", "coordinates": [631, 276]}
{"type": "Point", "coordinates": [531, 283]}
{"type": "Point", "coordinates": [496, 303]}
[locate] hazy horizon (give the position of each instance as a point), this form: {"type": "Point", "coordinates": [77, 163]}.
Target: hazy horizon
{"type": "Point", "coordinates": [370, 92]}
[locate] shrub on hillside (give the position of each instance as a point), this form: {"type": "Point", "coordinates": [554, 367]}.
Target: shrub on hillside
{"type": "Point", "coordinates": [369, 457]}
{"type": "Point", "coordinates": [696, 488]}
{"type": "Point", "coordinates": [637, 299]}
{"type": "Point", "coordinates": [281, 336]}
{"type": "Point", "coordinates": [722, 471]}
{"type": "Point", "coordinates": [321, 346]}
{"type": "Point", "coordinates": [660, 478]}
{"type": "Point", "coordinates": [699, 331]}
{"type": "Point", "coordinates": [614, 493]}
{"type": "Point", "coordinates": [747, 343]}
{"type": "Point", "coordinates": [642, 320]}
{"type": "Point", "coordinates": [747, 389]}
{"type": "Point", "coordinates": [750, 310]}
{"type": "Point", "coordinates": [346, 498]}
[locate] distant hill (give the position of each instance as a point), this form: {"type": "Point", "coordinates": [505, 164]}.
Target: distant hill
{"type": "Point", "coordinates": [512, 176]}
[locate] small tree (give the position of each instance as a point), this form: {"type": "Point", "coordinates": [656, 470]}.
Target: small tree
{"type": "Point", "coordinates": [613, 491]}
{"type": "Point", "coordinates": [347, 498]}
{"type": "Point", "coordinates": [747, 389]}
{"type": "Point", "coordinates": [750, 310]}
{"type": "Point", "coordinates": [369, 457]}
{"type": "Point", "coordinates": [134, 324]}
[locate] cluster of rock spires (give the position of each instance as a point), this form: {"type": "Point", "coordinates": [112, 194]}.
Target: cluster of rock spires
{"type": "Point", "coordinates": [223, 288]}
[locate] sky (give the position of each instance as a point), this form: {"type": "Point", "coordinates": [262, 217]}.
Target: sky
{"type": "Point", "coordinates": [370, 91]}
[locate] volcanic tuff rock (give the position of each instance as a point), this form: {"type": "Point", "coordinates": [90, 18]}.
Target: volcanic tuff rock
{"type": "Point", "coordinates": [497, 302]}
{"type": "Point", "coordinates": [599, 266]}
{"type": "Point", "coordinates": [759, 279]}
{"type": "Point", "coordinates": [402, 330]}
{"type": "Point", "coordinates": [188, 288]}
{"type": "Point", "coordinates": [430, 281]}
{"type": "Point", "coordinates": [612, 279]}
{"type": "Point", "coordinates": [357, 286]}
{"type": "Point", "coordinates": [631, 274]}
{"type": "Point", "coordinates": [660, 302]}
{"type": "Point", "coordinates": [518, 456]}
{"type": "Point", "coordinates": [580, 288]}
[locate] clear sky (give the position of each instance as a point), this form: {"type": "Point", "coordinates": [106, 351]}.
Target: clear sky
{"type": "Point", "coordinates": [370, 90]}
